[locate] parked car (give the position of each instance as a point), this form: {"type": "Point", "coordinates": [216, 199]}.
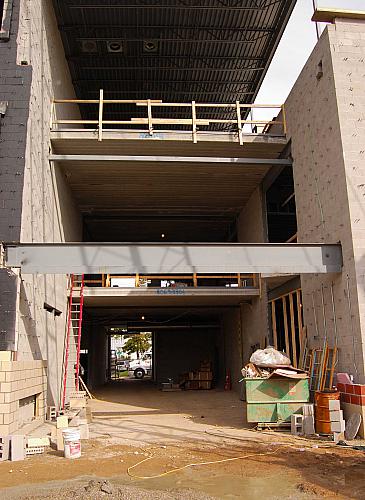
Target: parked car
{"type": "Point", "coordinates": [122, 365]}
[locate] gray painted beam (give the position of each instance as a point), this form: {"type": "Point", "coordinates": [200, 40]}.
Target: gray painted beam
{"type": "Point", "coordinates": [147, 258]}
{"type": "Point", "coordinates": [172, 159]}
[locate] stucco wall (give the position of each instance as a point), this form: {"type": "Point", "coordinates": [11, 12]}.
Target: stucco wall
{"type": "Point", "coordinates": [324, 123]}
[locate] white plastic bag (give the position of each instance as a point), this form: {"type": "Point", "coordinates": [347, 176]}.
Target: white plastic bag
{"type": "Point", "coordinates": [269, 357]}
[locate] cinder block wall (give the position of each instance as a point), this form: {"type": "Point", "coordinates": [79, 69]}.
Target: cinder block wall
{"type": "Point", "coordinates": [36, 203]}
{"type": "Point", "coordinates": [254, 316]}
{"type": "Point", "coordinates": [19, 380]}
{"type": "Point", "coordinates": [49, 213]}
{"type": "Point", "coordinates": [325, 119]}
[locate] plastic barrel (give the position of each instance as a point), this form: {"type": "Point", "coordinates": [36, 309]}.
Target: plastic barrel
{"type": "Point", "coordinates": [72, 442]}
{"type": "Point", "coordinates": [322, 412]}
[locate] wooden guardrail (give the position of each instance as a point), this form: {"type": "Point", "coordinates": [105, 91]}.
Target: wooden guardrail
{"type": "Point", "coordinates": [192, 117]}
{"type": "Point", "coordinates": [190, 280]}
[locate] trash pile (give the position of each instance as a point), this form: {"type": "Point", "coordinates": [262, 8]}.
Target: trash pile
{"type": "Point", "coordinates": [266, 363]}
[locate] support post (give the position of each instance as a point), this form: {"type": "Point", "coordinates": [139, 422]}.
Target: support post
{"type": "Point", "coordinates": [101, 105]}
{"type": "Point", "coordinates": [193, 113]}
{"type": "Point", "coordinates": [239, 123]}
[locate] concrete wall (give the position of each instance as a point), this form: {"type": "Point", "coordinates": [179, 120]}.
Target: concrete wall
{"type": "Point", "coordinates": [36, 203]}
{"type": "Point", "coordinates": [231, 350]}
{"type": "Point", "coordinates": [181, 351]}
{"type": "Point", "coordinates": [251, 228]}
{"type": "Point", "coordinates": [325, 119]}
{"type": "Point", "coordinates": [49, 213]}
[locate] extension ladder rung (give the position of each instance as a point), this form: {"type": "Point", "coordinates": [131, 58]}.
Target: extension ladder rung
{"type": "Point", "coordinates": [73, 333]}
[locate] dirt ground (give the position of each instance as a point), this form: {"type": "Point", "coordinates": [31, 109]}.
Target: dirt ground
{"type": "Point", "coordinates": [133, 424]}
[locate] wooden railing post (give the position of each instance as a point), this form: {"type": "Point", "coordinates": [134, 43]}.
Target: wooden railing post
{"type": "Point", "coordinates": [149, 112]}
{"type": "Point", "coordinates": [239, 123]}
{"type": "Point", "coordinates": [101, 105]}
{"type": "Point", "coordinates": [193, 114]}
{"type": "Point", "coordinates": [284, 118]}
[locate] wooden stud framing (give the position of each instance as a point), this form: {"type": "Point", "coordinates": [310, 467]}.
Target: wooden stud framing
{"type": "Point", "coordinates": [149, 110]}
{"type": "Point", "coordinates": [150, 121]}
{"type": "Point", "coordinates": [195, 280]}
{"type": "Point", "coordinates": [239, 123]}
{"type": "Point", "coordinates": [286, 330]}
{"type": "Point", "coordinates": [292, 323]}
{"type": "Point", "coordinates": [239, 281]}
{"type": "Point", "coordinates": [193, 114]}
{"type": "Point", "coordinates": [273, 318]}
{"type": "Point", "coordinates": [100, 123]}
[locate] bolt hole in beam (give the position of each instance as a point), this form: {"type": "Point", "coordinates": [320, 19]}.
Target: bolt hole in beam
{"type": "Point", "coordinates": [146, 258]}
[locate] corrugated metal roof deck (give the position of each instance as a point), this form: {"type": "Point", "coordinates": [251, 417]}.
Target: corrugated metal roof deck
{"type": "Point", "coordinates": [208, 51]}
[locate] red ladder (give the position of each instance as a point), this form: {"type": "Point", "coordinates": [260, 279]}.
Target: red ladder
{"type": "Point", "coordinates": [73, 333]}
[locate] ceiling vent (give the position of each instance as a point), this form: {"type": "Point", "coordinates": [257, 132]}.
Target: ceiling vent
{"type": "Point", "coordinates": [114, 46]}
{"type": "Point", "coordinates": [150, 46]}
{"type": "Point", "coordinates": [89, 46]}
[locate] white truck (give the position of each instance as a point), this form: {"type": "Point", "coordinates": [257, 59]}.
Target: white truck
{"type": "Point", "coordinates": [140, 368]}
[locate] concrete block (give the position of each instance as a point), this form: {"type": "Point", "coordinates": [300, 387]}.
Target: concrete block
{"type": "Point", "coordinates": [308, 410]}
{"type": "Point", "coordinates": [338, 426]}
{"type": "Point", "coordinates": [308, 425]}
{"type": "Point", "coordinates": [336, 416]}
{"type": "Point", "coordinates": [59, 440]}
{"type": "Point", "coordinates": [17, 447]}
{"type": "Point", "coordinates": [4, 448]}
{"type": "Point", "coordinates": [5, 355]}
{"type": "Point", "coordinates": [77, 403]}
{"type": "Point", "coordinates": [34, 450]}
{"type": "Point", "coordinates": [62, 422]}
{"type": "Point", "coordinates": [334, 405]}
{"type": "Point", "coordinates": [34, 442]}
{"type": "Point", "coordinates": [51, 413]}
{"type": "Point", "coordinates": [296, 424]}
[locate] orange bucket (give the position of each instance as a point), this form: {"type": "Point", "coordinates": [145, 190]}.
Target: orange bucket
{"type": "Point", "coordinates": [322, 412]}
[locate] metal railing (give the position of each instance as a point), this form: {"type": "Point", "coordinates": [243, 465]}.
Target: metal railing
{"type": "Point", "coordinates": [192, 116]}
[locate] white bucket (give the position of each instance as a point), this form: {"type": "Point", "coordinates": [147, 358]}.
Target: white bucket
{"type": "Point", "coordinates": [72, 442]}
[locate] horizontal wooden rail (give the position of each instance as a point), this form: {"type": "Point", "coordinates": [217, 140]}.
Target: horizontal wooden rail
{"type": "Point", "coordinates": [193, 120]}
{"type": "Point", "coordinates": [240, 279]}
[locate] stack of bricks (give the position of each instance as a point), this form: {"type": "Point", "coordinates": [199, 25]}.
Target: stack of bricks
{"type": "Point", "coordinates": [19, 380]}
{"type": "Point", "coordinates": [352, 393]}
{"type": "Point", "coordinates": [352, 397]}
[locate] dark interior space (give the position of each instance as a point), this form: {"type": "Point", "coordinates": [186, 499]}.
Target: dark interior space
{"type": "Point", "coordinates": [281, 209]}
{"type": "Point", "coordinates": [184, 338]}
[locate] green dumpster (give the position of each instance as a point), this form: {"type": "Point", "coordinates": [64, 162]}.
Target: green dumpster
{"type": "Point", "coordinates": [275, 399]}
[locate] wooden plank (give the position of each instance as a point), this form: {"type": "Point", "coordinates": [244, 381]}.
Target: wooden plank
{"type": "Point", "coordinates": [333, 366]}
{"type": "Point", "coordinates": [273, 322]}
{"type": "Point", "coordinates": [286, 330]}
{"type": "Point", "coordinates": [239, 123]}
{"type": "Point", "coordinates": [292, 323]}
{"type": "Point", "coordinates": [101, 106]}
{"type": "Point", "coordinates": [149, 110]}
{"type": "Point", "coordinates": [299, 308]}
{"type": "Point", "coordinates": [328, 15]}
{"type": "Point", "coordinates": [193, 113]}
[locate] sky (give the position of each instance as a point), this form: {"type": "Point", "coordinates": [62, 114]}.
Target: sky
{"type": "Point", "coordinates": [294, 49]}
